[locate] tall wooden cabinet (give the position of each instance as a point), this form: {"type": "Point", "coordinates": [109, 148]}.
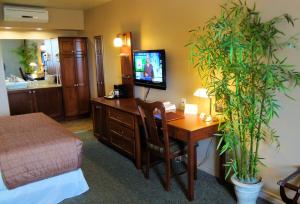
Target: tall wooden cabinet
{"type": "Point", "coordinates": [126, 63]}
{"type": "Point", "coordinates": [74, 74]}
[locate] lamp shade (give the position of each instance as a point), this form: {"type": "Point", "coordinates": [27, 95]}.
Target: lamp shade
{"type": "Point", "coordinates": [201, 92]}
{"type": "Point", "coordinates": [118, 42]}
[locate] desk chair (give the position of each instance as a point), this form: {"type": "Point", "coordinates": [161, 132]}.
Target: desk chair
{"type": "Point", "coordinates": [158, 141]}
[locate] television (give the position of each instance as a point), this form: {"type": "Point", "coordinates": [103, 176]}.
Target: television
{"type": "Point", "coordinates": [149, 68]}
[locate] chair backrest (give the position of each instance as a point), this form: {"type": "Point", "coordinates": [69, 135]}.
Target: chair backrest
{"type": "Point", "coordinates": [155, 125]}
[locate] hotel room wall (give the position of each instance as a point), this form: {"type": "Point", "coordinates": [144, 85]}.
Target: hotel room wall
{"type": "Point", "coordinates": [164, 24]}
{"type": "Point", "coordinates": [4, 108]}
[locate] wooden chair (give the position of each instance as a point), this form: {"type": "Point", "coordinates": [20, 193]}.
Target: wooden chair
{"type": "Point", "coordinates": [284, 184]}
{"type": "Point", "coordinates": [158, 141]}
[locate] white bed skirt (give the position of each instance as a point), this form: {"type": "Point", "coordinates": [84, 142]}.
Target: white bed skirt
{"type": "Point", "coordinates": [48, 191]}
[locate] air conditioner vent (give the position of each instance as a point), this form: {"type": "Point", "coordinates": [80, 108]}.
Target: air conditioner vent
{"type": "Point", "coordinates": [25, 14]}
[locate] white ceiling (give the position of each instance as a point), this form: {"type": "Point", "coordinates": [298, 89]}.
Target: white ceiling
{"type": "Point", "coordinates": [68, 4]}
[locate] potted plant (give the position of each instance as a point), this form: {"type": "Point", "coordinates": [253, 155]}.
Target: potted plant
{"type": "Point", "coordinates": [27, 53]}
{"type": "Point", "coordinates": [237, 57]}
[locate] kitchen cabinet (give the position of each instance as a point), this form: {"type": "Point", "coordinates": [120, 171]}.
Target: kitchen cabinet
{"type": "Point", "coordinates": [49, 101]}
{"type": "Point", "coordinates": [74, 74]}
{"type": "Point", "coordinates": [21, 102]}
{"type": "Point", "coordinates": [46, 100]}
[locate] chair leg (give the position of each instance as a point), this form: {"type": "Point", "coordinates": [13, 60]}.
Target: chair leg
{"type": "Point", "coordinates": [195, 163]}
{"type": "Point", "coordinates": [167, 174]}
{"type": "Point", "coordinates": [147, 164]}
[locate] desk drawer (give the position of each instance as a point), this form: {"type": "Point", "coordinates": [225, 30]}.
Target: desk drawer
{"type": "Point", "coordinates": [121, 130]}
{"type": "Point", "coordinates": [121, 137]}
{"type": "Point", "coordinates": [123, 144]}
{"type": "Point", "coordinates": [122, 117]}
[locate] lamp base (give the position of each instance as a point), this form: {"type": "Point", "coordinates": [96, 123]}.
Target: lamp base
{"type": "Point", "coordinates": [208, 118]}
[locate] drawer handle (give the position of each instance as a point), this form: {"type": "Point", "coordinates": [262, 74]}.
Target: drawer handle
{"type": "Point", "coordinates": [98, 107]}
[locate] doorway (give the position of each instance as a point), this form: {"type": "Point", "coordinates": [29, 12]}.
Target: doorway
{"type": "Point", "coordinates": [99, 65]}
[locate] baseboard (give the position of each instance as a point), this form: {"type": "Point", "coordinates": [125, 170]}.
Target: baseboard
{"type": "Point", "coordinates": [271, 197]}
{"type": "Point", "coordinates": [207, 170]}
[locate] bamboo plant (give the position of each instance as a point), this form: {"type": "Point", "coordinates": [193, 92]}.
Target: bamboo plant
{"type": "Point", "coordinates": [27, 53]}
{"type": "Point", "coordinates": [237, 56]}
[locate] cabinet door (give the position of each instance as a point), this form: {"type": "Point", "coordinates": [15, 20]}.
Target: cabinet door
{"type": "Point", "coordinates": [66, 46]}
{"type": "Point", "coordinates": [80, 47]}
{"type": "Point", "coordinates": [49, 101]}
{"type": "Point", "coordinates": [99, 121]}
{"type": "Point", "coordinates": [21, 102]}
{"type": "Point", "coordinates": [69, 81]}
{"type": "Point", "coordinates": [82, 84]}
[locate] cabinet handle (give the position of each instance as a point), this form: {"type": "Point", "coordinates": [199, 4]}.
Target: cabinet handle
{"type": "Point", "coordinates": [33, 91]}
{"type": "Point", "coordinates": [75, 85]}
{"type": "Point", "coordinates": [98, 107]}
{"type": "Point", "coordinates": [29, 92]}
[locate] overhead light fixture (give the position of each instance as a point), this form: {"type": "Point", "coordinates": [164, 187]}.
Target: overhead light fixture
{"type": "Point", "coordinates": [39, 29]}
{"type": "Point", "coordinates": [7, 28]}
{"type": "Point", "coordinates": [118, 42]}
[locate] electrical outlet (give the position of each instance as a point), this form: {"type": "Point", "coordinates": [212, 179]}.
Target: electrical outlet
{"type": "Point", "coordinates": [182, 102]}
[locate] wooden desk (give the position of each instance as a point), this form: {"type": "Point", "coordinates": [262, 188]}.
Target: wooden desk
{"type": "Point", "coordinates": [119, 120]}
{"type": "Point", "coordinates": [191, 130]}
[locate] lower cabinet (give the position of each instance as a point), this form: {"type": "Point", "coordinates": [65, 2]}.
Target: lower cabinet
{"type": "Point", "coordinates": [99, 122]}
{"type": "Point", "coordinates": [46, 100]}
{"type": "Point", "coordinates": [115, 128]}
{"type": "Point", "coordinates": [21, 102]}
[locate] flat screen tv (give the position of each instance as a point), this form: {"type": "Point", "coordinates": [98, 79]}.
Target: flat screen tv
{"type": "Point", "coordinates": [149, 68]}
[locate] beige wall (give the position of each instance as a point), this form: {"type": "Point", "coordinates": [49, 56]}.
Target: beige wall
{"type": "Point", "coordinates": [164, 24]}
{"type": "Point", "coordinates": [67, 19]}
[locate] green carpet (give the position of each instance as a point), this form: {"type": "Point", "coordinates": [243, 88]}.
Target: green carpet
{"type": "Point", "coordinates": [113, 178]}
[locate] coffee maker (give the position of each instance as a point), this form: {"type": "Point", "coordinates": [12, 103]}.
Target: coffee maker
{"type": "Point", "coordinates": [120, 91]}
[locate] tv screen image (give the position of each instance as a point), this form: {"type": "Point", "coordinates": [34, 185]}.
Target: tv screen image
{"type": "Point", "coordinates": [149, 68]}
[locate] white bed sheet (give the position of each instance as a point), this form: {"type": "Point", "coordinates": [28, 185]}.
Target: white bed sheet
{"type": "Point", "coordinates": [48, 191]}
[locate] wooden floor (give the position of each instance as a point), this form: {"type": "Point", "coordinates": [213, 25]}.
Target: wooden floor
{"type": "Point", "coordinates": [80, 125]}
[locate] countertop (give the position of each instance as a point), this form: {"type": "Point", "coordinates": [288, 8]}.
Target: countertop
{"type": "Point", "coordinates": [36, 86]}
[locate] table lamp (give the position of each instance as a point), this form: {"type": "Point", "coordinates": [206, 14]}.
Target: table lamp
{"type": "Point", "coordinates": [203, 93]}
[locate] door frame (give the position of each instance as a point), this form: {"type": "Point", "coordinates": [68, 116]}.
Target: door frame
{"type": "Point", "coordinates": [100, 83]}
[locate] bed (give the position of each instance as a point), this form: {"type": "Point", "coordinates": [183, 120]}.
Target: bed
{"type": "Point", "coordinates": [39, 161]}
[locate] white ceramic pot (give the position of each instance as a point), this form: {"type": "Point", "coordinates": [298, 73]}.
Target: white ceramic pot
{"type": "Point", "coordinates": [246, 193]}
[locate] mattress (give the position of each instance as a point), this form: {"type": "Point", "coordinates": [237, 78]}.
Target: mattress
{"type": "Point", "coordinates": [35, 147]}
{"type": "Point", "coordinates": [48, 191]}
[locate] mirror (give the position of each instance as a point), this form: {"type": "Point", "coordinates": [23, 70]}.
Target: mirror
{"type": "Point", "coordinates": [31, 59]}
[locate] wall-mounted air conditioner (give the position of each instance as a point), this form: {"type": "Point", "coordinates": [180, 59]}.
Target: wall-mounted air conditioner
{"type": "Point", "coordinates": [25, 14]}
